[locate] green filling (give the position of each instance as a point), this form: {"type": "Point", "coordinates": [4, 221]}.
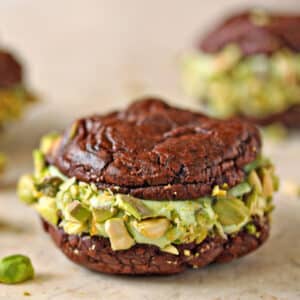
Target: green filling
{"type": "Point", "coordinates": [231, 84]}
{"type": "Point", "coordinates": [79, 207]}
{"type": "Point", "coordinates": [12, 102]}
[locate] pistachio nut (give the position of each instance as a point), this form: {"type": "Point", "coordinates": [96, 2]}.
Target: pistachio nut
{"type": "Point", "coordinates": [15, 269]}
{"type": "Point", "coordinates": [153, 228]}
{"type": "Point", "coordinates": [240, 189]}
{"type": "Point", "coordinates": [255, 181]}
{"type": "Point", "coordinates": [26, 189]}
{"type": "Point", "coordinates": [78, 211]}
{"type": "Point", "coordinates": [118, 235]}
{"type": "Point", "coordinates": [133, 206]}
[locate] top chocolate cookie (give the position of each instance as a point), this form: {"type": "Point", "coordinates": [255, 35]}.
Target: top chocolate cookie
{"type": "Point", "coordinates": [255, 32]}
{"type": "Point", "coordinates": [155, 151]}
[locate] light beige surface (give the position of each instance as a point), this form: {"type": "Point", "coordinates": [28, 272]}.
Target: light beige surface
{"type": "Point", "coordinates": [88, 56]}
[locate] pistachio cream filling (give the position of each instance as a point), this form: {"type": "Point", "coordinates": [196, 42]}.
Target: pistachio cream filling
{"type": "Point", "coordinates": [80, 208]}
{"type": "Point", "coordinates": [230, 84]}
{"type": "Point", "coordinates": [12, 102]}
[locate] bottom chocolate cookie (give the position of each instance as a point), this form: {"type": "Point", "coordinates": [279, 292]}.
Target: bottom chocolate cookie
{"type": "Point", "coordinates": [94, 252]}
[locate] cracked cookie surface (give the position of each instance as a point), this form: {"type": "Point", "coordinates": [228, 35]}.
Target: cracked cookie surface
{"type": "Point", "coordinates": [154, 151]}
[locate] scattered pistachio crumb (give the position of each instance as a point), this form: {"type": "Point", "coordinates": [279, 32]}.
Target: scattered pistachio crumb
{"type": "Point", "coordinates": [26, 293]}
{"type": "Point", "coordinates": [186, 252]}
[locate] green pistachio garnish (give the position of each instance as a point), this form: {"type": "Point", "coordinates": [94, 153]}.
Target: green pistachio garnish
{"type": "Point", "coordinates": [46, 206]}
{"type": "Point", "coordinates": [255, 181]}
{"type": "Point", "coordinates": [256, 203]}
{"type": "Point", "coordinates": [232, 213]}
{"type": "Point", "coordinates": [78, 211]}
{"type": "Point", "coordinates": [267, 183]}
{"type": "Point", "coordinates": [101, 214]}
{"type": "Point", "coordinates": [240, 189]}
{"type": "Point", "coordinates": [118, 234]}
{"type": "Point", "coordinates": [15, 269]}
{"type": "Point", "coordinates": [50, 186]}
{"type": "Point", "coordinates": [74, 227]}
{"type": "Point", "coordinates": [26, 188]}
{"type": "Point", "coordinates": [170, 249]}
{"type": "Point", "coordinates": [39, 162]}
{"type": "Point", "coordinates": [153, 228]}
{"type": "Point", "coordinates": [251, 228]}
{"type": "Point", "coordinates": [260, 162]}
{"type": "Point", "coordinates": [133, 206]}
{"type": "Point", "coordinates": [226, 80]}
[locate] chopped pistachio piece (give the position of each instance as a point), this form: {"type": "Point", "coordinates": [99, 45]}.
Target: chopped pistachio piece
{"type": "Point", "coordinates": [204, 225]}
{"type": "Point", "coordinates": [39, 162]}
{"type": "Point", "coordinates": [153, 228]}
{"type": "Point", "coordinates": [171, 249]}
{"type": "Point", "coordinates": [133, 206]}
{"type": "Point", "coordinates": [50, 186]}
{"type": "Point", "coordinates": [202, 233]}
{"type": "Point", "coordinates": [15, 269]}
{"type": "Point", "coordinates": [46, 206]}
{"type": "Point", "coordinates": [254, 181]}
{"type": "Point", "coordinates": [67, 184]}
{"type": "Point", "coordinates": [231, 212]}
{"type": "Point", "coordinates": [118, 235]}
{"type": "Point", "coordinates": [240, 189]}
{"type": "Point", "coordinates": [258, 163]}
{"type": "Point", "coordinates": [251, 228]}
{"type": "Point", "coordinates": [267, 183]}
{"type": "Point", "coordinates": [101, 214]}
{"type": "Point", "coordinates": [256, 203]}
{"type": "Point", "coordinates": [26, 189]}
{"type": "Point", "coordinates": [78, 211]}
{"type": "Point", "coordinates": [73, 227]}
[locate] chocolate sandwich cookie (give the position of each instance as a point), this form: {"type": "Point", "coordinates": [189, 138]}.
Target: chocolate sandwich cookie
{"type": "Point", "coordinates": [14, 96]}
{"type": "Point", "coordinates": [152, 189]}
{"type": "Point", "coordinates": [249, 66]}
